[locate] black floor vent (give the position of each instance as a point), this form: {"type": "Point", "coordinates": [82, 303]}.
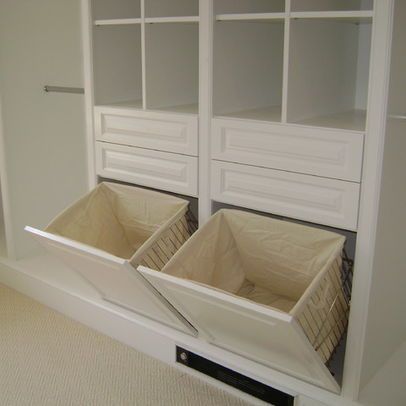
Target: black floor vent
{"type": "Point", "coordinates": [234, 379]}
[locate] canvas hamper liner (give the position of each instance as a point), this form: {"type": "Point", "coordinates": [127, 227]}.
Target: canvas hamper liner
{"type": "Point", "coordinates": [116, 224]}
{"type": "Point", "coordinates": [288, 267]}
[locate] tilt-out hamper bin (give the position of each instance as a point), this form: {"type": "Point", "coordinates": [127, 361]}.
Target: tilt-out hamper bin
{"type": "Point", "coordinates": [106, 234]}
{"type": "Point", "coordinates": [266, 289]}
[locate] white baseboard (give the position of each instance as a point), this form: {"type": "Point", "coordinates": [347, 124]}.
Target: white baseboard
{"type": "Point", "coordinates": [50, 282]}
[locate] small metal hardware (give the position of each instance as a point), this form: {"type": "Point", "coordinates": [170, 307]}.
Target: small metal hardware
{"type": "Point", "coordinates": [61, 89]}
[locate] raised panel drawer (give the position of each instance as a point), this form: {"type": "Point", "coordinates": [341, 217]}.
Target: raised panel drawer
{"type": "Point", "coordinates": [160, 170]}
{"type": "Point", "coordinates": [310, 198]}
{"type": "Point", "coordinates": [164, 132]}
{"type": "Point", "coordinates": [314, 151]}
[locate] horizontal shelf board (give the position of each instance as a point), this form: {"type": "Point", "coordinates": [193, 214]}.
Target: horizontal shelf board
{"type": "Point", "coordinates": [268, 113]}
{"type": "Point", "coordinates": [251, 17]}
{"type": "Point", "coordinates": [163, 20]}
{"type": "Point", "coordinates": [136, 104]}
{"type": "Point", "coordinates": [354, 120]}
{"type": "Point", "coordinates": [192, 108]}
{"type": "Point", "coordinates": [341, 15]}
{"type": "Point", "coordinates": [397, 117]}
{"type": "Point", "coordinates": [118, 21]}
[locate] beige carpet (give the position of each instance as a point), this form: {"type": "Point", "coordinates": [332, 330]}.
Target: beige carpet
{"type": "Point", "coordinates": [48, 359]}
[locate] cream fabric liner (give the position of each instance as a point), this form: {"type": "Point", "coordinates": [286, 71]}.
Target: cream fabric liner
{"type": "Point", "coordinates": [269, 261]}
{"type": "Point", "coordinates": [117, 219]}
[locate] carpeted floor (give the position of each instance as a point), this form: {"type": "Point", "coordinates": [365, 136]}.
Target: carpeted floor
{"type": "Point", "coordinates": [48, 359]}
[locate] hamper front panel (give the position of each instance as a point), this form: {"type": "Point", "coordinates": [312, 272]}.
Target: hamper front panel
{"type": "Point", "coordinates": [165, 132]}
{"type": "Point", "coordinates": [264, 335]}
{"type": "Point", "coordinates": [114, 279]}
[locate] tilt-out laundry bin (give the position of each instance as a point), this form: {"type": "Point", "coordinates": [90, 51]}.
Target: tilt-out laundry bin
{"type": "Point", "coordinates": [109, 232]}
{"type": "Point", "coordinates": [270, 290]}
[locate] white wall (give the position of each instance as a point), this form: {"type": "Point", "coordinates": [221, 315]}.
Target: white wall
{"type": "Point", "coordinates": [40, 43]}
{"type": "Point", "coordinates": [384, 358]}
{"type": "Point", "coordinates": [387, 386]}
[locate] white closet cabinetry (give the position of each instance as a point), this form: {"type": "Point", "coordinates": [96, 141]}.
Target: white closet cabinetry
{"type": "Point", "coordinates": [290, 95]}
{"type": "Point", "coordinates": [268, 105]}
{"type": "Point", "coordinates": [145, 73]}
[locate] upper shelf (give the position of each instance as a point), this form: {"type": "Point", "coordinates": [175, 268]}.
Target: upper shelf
{"type": "Point", "coordinates": [181, 19]}
{"type": "Point", "coordinates": [357, 16]}
{"type": "Point", "coordinates": [118, 21]}
{"type": "Point", "coordinates": [250, 17]}
{"type": "Point", "coordinates": [151, 20]}
{"type": "Point", "coordinates": [341, 15]}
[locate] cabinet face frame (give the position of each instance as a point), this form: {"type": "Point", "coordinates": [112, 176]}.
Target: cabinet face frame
{"type": "Point", "coordinates": [381, 40]}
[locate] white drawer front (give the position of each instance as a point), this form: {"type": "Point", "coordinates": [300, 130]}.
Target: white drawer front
{"type": "Point", "coordinates": [161, 170]}
{"type": "Point", "coordinates": [323, 152]}
{"type": "Point", "coordinates": [319, 200]}
{"type": "Point", "coordinates": [165, 132]}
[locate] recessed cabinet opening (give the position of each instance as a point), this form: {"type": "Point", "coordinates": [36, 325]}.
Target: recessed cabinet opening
{"type": "Point", "coordinates": [248, 69]}
{"type": "Point", "coordinates": [336, 363]}
{"type": "Point", "coordinates": [117, 9]}
{"type": "Point", "coordinates": [328, 72]}
{"type": "Point", "coordinates": [252, 6]}
{"type": "Point", "coordinates": [171, 8]}
{"type": "Point", "coordinates": [172, 66]}
{"type": "Point", "coordinates": [117, 65]}
{"type": "Point", "coordinates": [193, 201]}
{"type": "Point", "coordinates": [331, 5]}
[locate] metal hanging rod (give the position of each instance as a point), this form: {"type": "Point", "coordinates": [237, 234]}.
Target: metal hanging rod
{"type": "Point", "coordinates": [61, 89]}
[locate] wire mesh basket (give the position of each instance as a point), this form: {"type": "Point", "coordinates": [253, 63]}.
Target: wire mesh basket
{"type": "Point", "coordinates": [324, 319]}
{"type": "Point", "coordinates": [161, 250]}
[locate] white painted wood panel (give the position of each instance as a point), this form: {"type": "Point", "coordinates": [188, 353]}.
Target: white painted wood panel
{"type": "Point", "coordinates": [166, 132]}
{"type": "Point", "coordinates": [160, 170]}
{"type": "Point", "coordinates": [114, 278]}
{"type": "Point", "coordinates": [311, 198]}
{"type": "Point", "coordinates": [327, 153]}
{"type": "Point", "coordinates": [262, 334]}
{"type": "Point", "coordinates": [43, 133]}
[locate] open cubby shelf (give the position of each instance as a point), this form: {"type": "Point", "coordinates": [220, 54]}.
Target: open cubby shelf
{"type": "Point", "coordinates": [115, 81]}
{"type": "Point", "coordinates": [252, 6]}
{"type": "Point", "coordinates": [331, 5]}
{"type": "Point", "coordinates": [172, 65]}
{"type": "Point", "coordinates": [332, 93]}
{"type": "Point", "coordinates": [118, 9]}
{"type": "Point", "coordinates": [348, 120]}
{"type": "Point", "coordinates": [248, 69]}
{"type": "Point", "coordinates": [171, 8]}
{"type": "Point", "coordinates": [267, 113]}
{"type": "Point", "coordinates": [259, 73]}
